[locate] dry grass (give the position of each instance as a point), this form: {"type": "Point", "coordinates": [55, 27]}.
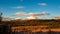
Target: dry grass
{"type": "Point", "coordinates": [35, 28]}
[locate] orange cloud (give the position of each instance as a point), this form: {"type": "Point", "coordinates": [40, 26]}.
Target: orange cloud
{"type": "Point", "coordinates": [19, 13]}
{"type": "Point", "coordinates": [57, 17]}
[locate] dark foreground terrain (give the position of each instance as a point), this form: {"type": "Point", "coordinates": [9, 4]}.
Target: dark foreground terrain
{"type": "Point", "coordinates": [51, 24]}
{"type": "Point", "coordinates": [35, 32]}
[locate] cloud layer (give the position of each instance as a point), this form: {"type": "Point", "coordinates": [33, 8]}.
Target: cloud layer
{"type": "Point", "coordinates": [56, 17]}
{"type": "Point", "coordinates": [42, 4]}
{"type": "Point", "coordinates": [18, 7]}
{"type": "Point", "coordinates": [17, 13]}
{"type": "Point", "coordinates": [32, 13]}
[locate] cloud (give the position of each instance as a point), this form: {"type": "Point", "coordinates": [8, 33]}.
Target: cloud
{"type": "Point", "coordinates": [18, 18]}
{"type": "Point", "coordinates": [45, 13]}
{"type": "Point", "coordinates": [19, 13]}
{"type": "Point", "coordinates": [37, 14]}
{"type": "Point", "coordinates": [18, 7]}
{"type": "Point", "coordinates": [42, 4]}
{"type": "Point", "coordinates": [6, 19]}
{"type": "Point", "coordinates": [31, 15]}
{"type": "Point", "coordinates": [56, 17]}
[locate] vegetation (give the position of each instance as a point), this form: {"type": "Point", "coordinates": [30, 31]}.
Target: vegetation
{"type": "Point", "coordinates": [49, 23]}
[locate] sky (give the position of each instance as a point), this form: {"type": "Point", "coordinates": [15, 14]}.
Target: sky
{"type": "Point", "coordinates": [23, 8]}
